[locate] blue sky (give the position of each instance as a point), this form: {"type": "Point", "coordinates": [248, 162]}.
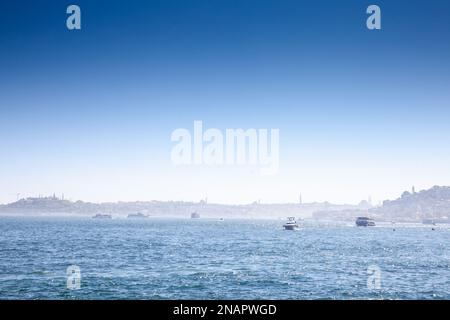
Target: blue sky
{"type": "Point", "coordinates": [90, 112]}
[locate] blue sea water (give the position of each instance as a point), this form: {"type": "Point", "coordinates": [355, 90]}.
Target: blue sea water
{"type": "Point", "coordinates": [209, 259]}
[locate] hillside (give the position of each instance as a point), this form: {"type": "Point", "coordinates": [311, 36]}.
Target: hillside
{"type": "Point", "coordinates": [433, 203]}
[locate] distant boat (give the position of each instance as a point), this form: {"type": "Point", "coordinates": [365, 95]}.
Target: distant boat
{"type": "Point", "coordinates": [429, 221]}
{"type": "Point", "coordinates": [291, 224]}
{"type": "Point", "coordinates": [102, 216]}
{"type": "Point", "coordinates": [221, 219]}
{"type": "Point", "coordinates": [137, 215]}
{"type": "Point", "coordinates": [435, 221]}
{"type": "Point", "coordinates": [195, 215]}
{"type": "Point", "coordinates": [364, 222]}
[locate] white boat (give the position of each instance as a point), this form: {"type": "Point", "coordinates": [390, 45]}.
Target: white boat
{"type": "Point", "coordinates": [291, 224]}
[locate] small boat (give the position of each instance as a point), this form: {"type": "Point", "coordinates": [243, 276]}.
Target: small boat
{"type": "Point", "coordinates": [291, 224]}
{"type": "Point", "coordinates": [195, 215]}
{"type": "Point", "coordinates": [364, 222]}
{"type": "Point", "coordinates": [429, 221]}
{"type": "Point", "coordinates": [102, 216]}
{"type": "Point", "coordinates": [137, 215]}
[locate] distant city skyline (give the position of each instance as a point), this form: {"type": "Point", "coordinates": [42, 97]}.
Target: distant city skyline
{"type": "Point", "coordinates": [89, 113]}
{"type": "Point", "coordinates": [300, 201]}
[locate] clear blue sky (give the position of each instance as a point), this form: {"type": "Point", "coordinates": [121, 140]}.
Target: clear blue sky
{"type": "Point", "coordinates": [90, 112]}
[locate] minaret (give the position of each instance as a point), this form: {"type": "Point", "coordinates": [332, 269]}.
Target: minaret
{"type": "Point", "coordinates": [300, 199]}
{"type": "Point", "coordinates": [413, 190]}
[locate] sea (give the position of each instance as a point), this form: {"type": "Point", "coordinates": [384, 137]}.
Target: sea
{"type": "Point", "coordinates": [155, 258]}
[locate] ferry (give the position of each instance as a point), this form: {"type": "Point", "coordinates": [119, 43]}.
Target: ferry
{"type": "Point", "coordinates": [364, 222]}
{"type": "Point", "coordinates": [102, 216]}
{"type": "Point", "coordinates": [137, 216]}
{"type": "Point", "coordinates": [291, 224]}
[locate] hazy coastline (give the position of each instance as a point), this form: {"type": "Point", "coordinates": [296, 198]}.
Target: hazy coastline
{"type": "Point", "coordinates": [412, 206]}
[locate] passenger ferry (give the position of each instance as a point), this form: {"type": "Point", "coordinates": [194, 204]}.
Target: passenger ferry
{"type": "Point", "coordinates": [364, 222]}
{"type": "Point", "coordinates": [137, 216]}
{"type": "Point", "coordinates": [102, 216]}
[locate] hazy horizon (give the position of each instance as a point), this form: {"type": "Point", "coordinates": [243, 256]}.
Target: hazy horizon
{"type": "Point", "coordinates": [63, 196]}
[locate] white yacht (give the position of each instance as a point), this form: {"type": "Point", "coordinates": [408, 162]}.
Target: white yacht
{"type": "Point", "coordinates": [291, 224]}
